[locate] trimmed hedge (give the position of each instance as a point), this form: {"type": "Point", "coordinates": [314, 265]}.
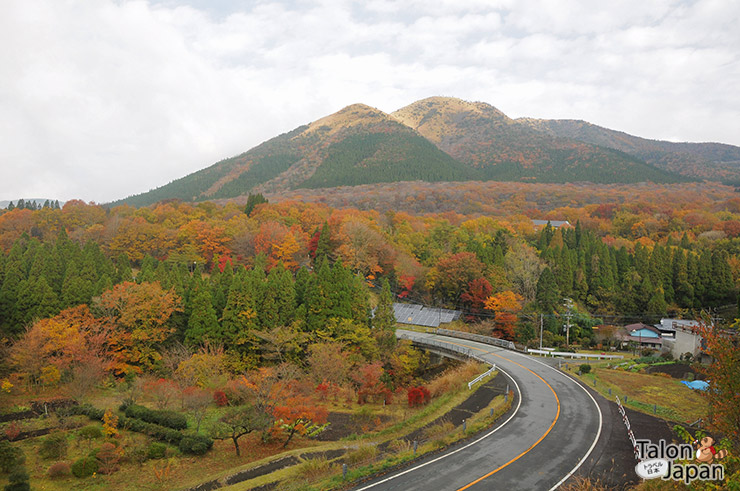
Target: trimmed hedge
{"type": "Point", "coordinates": [156, 450]}
{"type": "Point", "coordinates": [170, 419]}
{"type": "Point", "coordinates": [195, 444]}
{"type": "Point", "coordinates": [88, 410]}
{"type": "Point", "coordinates": [154, 430]}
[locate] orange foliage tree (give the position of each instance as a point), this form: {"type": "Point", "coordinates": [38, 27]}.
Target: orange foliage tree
{"type": "Point", "coordinates": [301, 415]}
{"type": "Point", "coordinates": [506, 306]}
{"type": "Point", "coordinates": [58, 344]}
{"type": "Point", "coordinates": [139, 316]}
{"type": "Point", "coordinates": [724, 392]}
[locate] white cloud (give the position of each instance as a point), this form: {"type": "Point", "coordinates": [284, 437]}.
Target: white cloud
{"type": "Point", "coordinates": [99, 100]}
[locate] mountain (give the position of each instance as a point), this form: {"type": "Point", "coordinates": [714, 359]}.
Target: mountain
{"type": "Point", "coordinates": [357, 145]}
{"type": "Point", "coordinates": [502, 148]}
{"type": "Point", "coordinates": [711, 161]}
{"type": "Point", "coordinates": [435, 140]}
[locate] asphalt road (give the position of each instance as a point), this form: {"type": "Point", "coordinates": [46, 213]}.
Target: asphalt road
{"type": "Point", "coordinates": [553, 429]}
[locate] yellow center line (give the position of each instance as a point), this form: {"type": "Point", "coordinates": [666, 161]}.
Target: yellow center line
{"type": "Point", "coordinates": [557, 415]}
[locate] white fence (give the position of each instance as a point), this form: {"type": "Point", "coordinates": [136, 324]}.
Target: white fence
{"type": "Point", "coordinates": [575, 355]}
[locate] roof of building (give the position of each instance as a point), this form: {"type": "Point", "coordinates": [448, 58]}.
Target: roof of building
{"type": "Point", "coordinates": [670, 325]}
{"type": "Point", "coordinates": [639, 325]}
{"type": "Point", "coordinates": [553, 223]}
{"type": "Point", "coordinates": [419, 315]}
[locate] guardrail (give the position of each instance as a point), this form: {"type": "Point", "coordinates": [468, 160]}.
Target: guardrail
{"type": "Point", "coordinates": [481, 376]}
{"type": "Point", "coordinates": [477, 337]}
{"type": "Point", "coordinates": [441, 345]}
{"type": "Point", "coordinates": [575, 355]}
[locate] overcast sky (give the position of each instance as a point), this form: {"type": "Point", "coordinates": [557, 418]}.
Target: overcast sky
{"type": "Point", "coordinates": [103, 99]}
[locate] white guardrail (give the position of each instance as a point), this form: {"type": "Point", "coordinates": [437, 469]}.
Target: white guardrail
{"type": "Point", "coordinates": [477, 337]}
{"type": "Point", "coordinates": [481, 376]}
{"type": "Point", "coordinates": [574, 355]}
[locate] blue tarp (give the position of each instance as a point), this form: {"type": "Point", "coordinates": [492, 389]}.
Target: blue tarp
{"type": "Point", "coordinates": [696, 384]}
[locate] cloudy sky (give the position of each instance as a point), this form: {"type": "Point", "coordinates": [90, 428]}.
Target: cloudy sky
{"type": "Point", "coordinates": [103, 99]}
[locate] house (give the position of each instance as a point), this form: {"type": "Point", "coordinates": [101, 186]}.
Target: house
{"type": "Point", "coordinates": [683, 337]}
{"type": "Point", "coordinates": [641, 334]}
{"type": "Point", "coordinates": [668, 326]}
{"type": "Point", "coordinates": [553, 223]}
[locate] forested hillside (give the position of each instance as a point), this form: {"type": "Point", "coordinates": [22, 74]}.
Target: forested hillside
{"type": "Point", "coordinates": [433, 140]}
{"type": "Point", "coordinates": [711, 161]}
{"type": "Point", "coordinates": [357, 145]}
{"type": "Point", "coordinates": [635, 258]}
{"type": "Point", "coordinates": [503, 149]}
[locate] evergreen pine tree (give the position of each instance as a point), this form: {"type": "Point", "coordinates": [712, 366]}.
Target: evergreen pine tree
{"type": "Point", "coordinates": [123, 269]}
{"type": "Point", "coordinates": [252, 201]}
{"type": "Point", "coordinates": [384, 321]}
{"type": "Point", "coordinates": [323, 248]}
{"type": "Point", "coordinates": [240, 314]}
{"type": "Point", "coordinates": [148, 267]}
{"type": "Point", "coordinates": [202, 323]}
{"type": "Point", "coordinates": [547, 295]}
{"type": "Point", "coordinates": [683, 290]}
{"type": "Point", "coordinates": [657, 305]}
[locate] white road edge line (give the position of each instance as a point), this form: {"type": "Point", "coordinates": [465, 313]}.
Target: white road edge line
{"type": "Point", "coordinates": [459, 449]}
{"type": "Point", "coordinates": [598, 433]}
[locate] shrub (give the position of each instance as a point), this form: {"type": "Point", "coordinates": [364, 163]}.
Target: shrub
{"type": "Point", "coordinates": [220, 398]}
{"type": "Point", "coordinates": [10, 457]}
{"type": "Point", "coordinates": [195, 444]}
{"type": "Point", "coordinates": [88, 410]}
{"type": "Point", "coordinates": [109, 455]}
{"type": "Point", "coordinates": [18, 480]}
{"type": "Point", "coordinates": [313, 469]}
{"type": "Point", "coordinates": [362, 454]}
{"type": "Point", "coordinates": [85, 467]}
{"type": "Point", "coordinates": [138, 454]}
{"type": "Point", "coordinates": [54, 446]}
{"type": "Point", "coordinates": [584, 368]}
{"type": "Point", "coordinates": [400, 446]}
{"type": "Point", "coordinates": [110, 423]}
{"type": "Point", "coordinates": [418, 396]}
{"type": "Point", "coordinates": [59, 469]}
{"type": "Point", "coordinates": [438, 431]}
{"type": "Point", "coordinates": [156, 450]}
{"type": "Point", "coordinates": [13, 430]}
{"type": "Point", "coordinates": [90, 432]}
{"type": "Point", "coordinates": [170, 419]}
{"type": "Point", "coordinates": [155, 431]}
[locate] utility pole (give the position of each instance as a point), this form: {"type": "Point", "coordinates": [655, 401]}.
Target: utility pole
{"type": "Point", "coordinates": [568, 314]}
{"type": "Point", "coordinates": [540, 331]}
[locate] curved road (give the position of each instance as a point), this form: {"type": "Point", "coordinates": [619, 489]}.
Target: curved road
{"type": "Point", "coordinates": [553, 429]}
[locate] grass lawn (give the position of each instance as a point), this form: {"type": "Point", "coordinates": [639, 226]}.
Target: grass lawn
{"type": "Point", "coordinates": [674, 401]}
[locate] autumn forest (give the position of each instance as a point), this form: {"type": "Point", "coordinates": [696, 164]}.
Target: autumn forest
{"type": "Point", "coordinates": [276, 306]}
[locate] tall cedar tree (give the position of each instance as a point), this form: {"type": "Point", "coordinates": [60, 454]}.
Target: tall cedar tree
{"type": "Point", "coordinates": [252, 201]}
{"type": "Point", "coordinates": [384, 321]}
{"type": "Point", "coordinates": [202, 324]}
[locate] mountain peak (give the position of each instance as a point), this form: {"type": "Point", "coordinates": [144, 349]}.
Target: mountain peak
{"type": "Point", "coordinates": [433, 116]}
{"type": "Point", "coordinates": [352, 115]}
